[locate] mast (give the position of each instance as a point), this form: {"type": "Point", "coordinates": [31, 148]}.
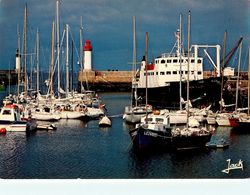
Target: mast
{"type": "Point", "coordinates": [19, 61]}
{"type": "Point", "coordinates": [72, 65]}
{"type": "Point", "coordinates": [81, 54]}
{"type": "Point", "coordinates": [222, 68]}
{"type": "Point", "coordinates": [180, 59]}
{"type": "Point", "coordinates": [238, 78]}
{"type": "Point", "coordinates": [189, 31]}
{"type": "Point", "coordinates": [37, 60]}
{"type": "Point", "coordinates": [25, 50]}
{"type": "Point", "coordinates": [134, 62]}
{"type": "Point", "coordinates": [146, 66]}
{"type": "Point", "coordinates": [248, 111]}
{"type": "Point", "coordinates": [52, 59]}
{"type": "Point", "coordinates": [67, 60]}
{"type": "Point", "coordinates": [58, 45]}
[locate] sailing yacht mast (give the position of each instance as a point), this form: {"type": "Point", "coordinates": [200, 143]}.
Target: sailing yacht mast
{"type": "Point", "coordinates": [19, 63]}
{"type": "Point", "coordinates": [37, 61]}
{"type": "Point", "coordinates": [146, 66]}
{"type": "Point", "coordinates": [134, 62]}
{"type": "Point", "coordinates": [222, 69]}
{"type": "Point", "coordinates": [72, 67]}
{"type": "Point", "coordinates": [52, 64]}
{"type": "Point", "coordinates": [67, 60]}
{"type": "Point", "coordinates": [189, 31]}
{"type": "Point", "coordinates": [238, 78]}
{"type": "Point", "coordinates": [25, 51]}
{"type": "Point", "coordinates": [81, 53]}
{"type": "Point", "coordinates": [180, 59]}
{"type": "Point", "coordinates": [248, 111]}
{"type": "Point", "coordinates": [58, 45]}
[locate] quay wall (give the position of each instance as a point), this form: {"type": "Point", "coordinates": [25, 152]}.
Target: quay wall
{"type": "Point", "coordinates": [8, 77]}
{"type": "Point", "coordinates": [106, 80]}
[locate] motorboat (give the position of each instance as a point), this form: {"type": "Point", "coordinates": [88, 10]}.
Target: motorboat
{"type": "Point", "coordinates": [11, 120]}
{"type": "Point", "coordinates": [153, 131]}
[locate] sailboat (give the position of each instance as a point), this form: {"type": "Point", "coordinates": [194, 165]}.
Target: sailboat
{"type": "Point", "coordinates": [190, 137]}
{"type": "Point", "coordinates": [231, 119]}
{"type": "Point", "coordinates": [155, 130]}
{"type": "Point", "coordinates": [242, 123]}
{"type": "Point", "coordinates": [135, 112]}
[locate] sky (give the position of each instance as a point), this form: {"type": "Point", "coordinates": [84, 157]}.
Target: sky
{"type": "Point", "coordinates": [109, 26]}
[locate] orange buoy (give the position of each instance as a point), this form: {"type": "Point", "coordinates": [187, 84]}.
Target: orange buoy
{"type": "Point", "coordinates": [2, 131]}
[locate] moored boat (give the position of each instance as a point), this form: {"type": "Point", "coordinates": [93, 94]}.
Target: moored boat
{"type": "Point", "coordinates": [154, 130]}
{"type": "Point", "coordinates": [190, 137]}
{"type": "Point", "coordinates": [45, 114]}
{"type": "Point", "coordinates": [10, 119]}
{"type": "Point", "coordinates": [219, 144]}
{"type": "Point", "coordinates": [222, 119]}
{"type": "Point", "coordinates": [135, 113]}
{"type": "Point", "coordinates": [165, 73]}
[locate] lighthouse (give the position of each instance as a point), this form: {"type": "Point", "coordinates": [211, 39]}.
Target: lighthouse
{"type": "Point", "coordinates": [18, 61]}
{"type": "Point", "coordinates": [87, 55]}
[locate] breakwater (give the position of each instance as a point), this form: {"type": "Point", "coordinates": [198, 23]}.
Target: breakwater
{"type": "Point", "coordinates": [8, 77]}
{"type": "Point", "coordinates": [106, 80]}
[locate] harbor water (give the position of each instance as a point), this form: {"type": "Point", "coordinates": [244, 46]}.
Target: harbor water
{"type": "Point", "coordinates": [81, 149]}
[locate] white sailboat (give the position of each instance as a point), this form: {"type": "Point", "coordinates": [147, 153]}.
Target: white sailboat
{"type": "Point", "coordinates": [222, 119]}
{"type": "Point", "coordinates": [134, 113]}
{"type": "Point", "coordinates": [192, 135]}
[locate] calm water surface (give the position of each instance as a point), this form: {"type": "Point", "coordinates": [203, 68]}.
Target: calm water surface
{"type": "Point", "coordinates": [79, 149]}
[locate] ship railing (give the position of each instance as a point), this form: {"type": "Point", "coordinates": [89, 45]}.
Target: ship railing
{"type": "Point", "coordinates": [167, 55]}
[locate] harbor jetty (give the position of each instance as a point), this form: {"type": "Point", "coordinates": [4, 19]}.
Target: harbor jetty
{"type": "Point", "coordinates": [8, 77]}
{"type": "Point", "coordinates": [111, 80]}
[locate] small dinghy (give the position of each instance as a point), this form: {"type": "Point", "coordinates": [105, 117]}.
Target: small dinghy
{"type": "Point", "coordinates": [220, 144]}
{"type": "Point", "coordinates": [46, 127]}
{"type": "Point", "coordinates": [104, 122]}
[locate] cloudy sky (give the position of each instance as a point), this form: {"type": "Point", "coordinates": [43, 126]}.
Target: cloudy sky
{"type": "Point", "coordinates": [109, 26]}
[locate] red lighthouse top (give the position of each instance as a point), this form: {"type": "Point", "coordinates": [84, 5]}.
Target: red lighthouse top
{"type": "Point", "coordinates": [87, 46]}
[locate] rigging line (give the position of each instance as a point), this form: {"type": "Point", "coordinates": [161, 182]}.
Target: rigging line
{"type": "Point", "coordinates": [59, 51]}
{"type": "Point", "coordinates": [235, 58]}
{"type": "Point", "coordinates": [78, 56]}
{"type": "Point", "coordinates": [245, 65]}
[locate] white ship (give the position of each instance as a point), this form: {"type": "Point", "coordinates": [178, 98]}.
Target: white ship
{"type": "Point", "coordinates": [165, 73]}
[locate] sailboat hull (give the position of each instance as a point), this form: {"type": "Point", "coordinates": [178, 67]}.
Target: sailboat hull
{"type": "Point", "coordinates": [145, 138]}
{"type": "Point", "coordinates": [190, 142]}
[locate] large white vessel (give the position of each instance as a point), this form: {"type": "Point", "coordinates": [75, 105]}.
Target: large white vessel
{"type": "Point", "coordinates": [165, 73]}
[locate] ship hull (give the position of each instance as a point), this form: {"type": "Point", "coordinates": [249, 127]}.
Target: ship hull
{"type": "Point", "coordinates": [190, 142]}
{"type": "Point", "coordinates": [207, 90]}
{"type": "Point", "coordinates": [145, 138]}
